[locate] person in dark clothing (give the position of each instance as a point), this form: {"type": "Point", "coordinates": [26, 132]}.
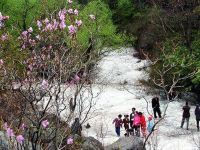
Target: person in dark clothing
{"type": "Point", "coordinates": [126, 124]}
{"type": "Point", "coordinates": [76, 127]}
{"type": "Point", "coordinates": [156, 107]}
{"type": "Point", "coordinates": [186, 115]}
{"type": "Point", "coordinates": [131, 130]}
{"type": "Point", "coordinates": [197, 114]}
{"type": "Point", "coordinates": [118, 124]}
{"type": "Point", "coordinates": [131, 117]}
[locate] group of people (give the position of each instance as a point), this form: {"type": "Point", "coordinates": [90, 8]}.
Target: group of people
{"type": "Point", "coordinates": [135, 123]}
{"type": "Point", "coordinates": [186, 115]}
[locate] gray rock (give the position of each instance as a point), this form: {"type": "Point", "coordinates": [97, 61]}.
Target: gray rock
{"type": "Point", "coordinates": [3, 141]}
{"type": "Point", "coordinates": [188, 96]}
{"type": "Point", "coordinates": [90, 143]}
{"type": "Point", "coordinates": [126, 143]}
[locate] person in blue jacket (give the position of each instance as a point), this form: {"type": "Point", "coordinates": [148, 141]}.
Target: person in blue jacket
{"type": "Point", "coordinates": [150, 124]}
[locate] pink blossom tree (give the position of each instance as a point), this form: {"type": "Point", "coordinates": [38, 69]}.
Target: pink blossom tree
{"type": "Point", "coordinates": [48, 77]}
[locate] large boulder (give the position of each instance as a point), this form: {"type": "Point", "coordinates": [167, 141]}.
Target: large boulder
{"type": "Point", "coordinates": [189, 96]}
{"type": "Point", "coordinates": [90, 143]}
{"type": "Point", "coordinates": [126, 143]}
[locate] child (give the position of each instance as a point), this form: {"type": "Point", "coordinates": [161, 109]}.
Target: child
{"type": "Point", "coordinates": [118, 124]}
{"type": "Point", "coordinates": [143, 124]}
{"type": "Point", "coordinates": [150, 124]}
{"type": "Point", "coordinates": [136, 124]}
{"type": "Point", "coordinates": [126, 124]}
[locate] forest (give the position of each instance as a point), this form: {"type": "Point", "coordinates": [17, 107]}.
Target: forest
{"type": "Point", "coordinates": [165, 30]}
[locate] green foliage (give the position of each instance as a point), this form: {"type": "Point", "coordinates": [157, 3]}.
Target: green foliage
{"type": "Point", "coordinates": [101, 30]}
{"type": "Point", "coordinates": [184, 63]}
{"type": "Point", "coordinates": [179, 57]}
{"type": "Point", "coordinates": [196, 52]}
{"type": "Point", "coordinates": [127, 7]}
{"type": "Point", "coordinates": [132, 18]}
{"type": "Point", "coordinates": [22, 12]}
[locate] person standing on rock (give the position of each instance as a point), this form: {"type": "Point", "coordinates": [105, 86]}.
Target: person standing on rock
{"type": "Point", "coordinates": [197, 114]}
{"type": "Point", "coordinates": [186, 115]}
{"type": "Point", "coordinates": [156, 107]}
{"type": "Point", "coordinates": [118, 124]}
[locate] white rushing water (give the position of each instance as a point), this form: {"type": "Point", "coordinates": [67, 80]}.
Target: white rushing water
{"type": "Point", "coordinates": [116, 98]}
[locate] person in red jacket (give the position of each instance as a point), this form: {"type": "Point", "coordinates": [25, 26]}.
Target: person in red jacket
{"type": "Point", "coordinates": [136, 123]}
{"type": "Point", "coordinates": [143, 124]}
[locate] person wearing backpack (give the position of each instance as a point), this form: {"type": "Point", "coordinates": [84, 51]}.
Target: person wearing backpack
{"type": "Point", "coordinates": [197, 114]}
{"type": "Point", "coordinates": [186, 115]}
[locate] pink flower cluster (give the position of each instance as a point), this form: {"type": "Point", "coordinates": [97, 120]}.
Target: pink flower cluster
{"type": "Point", "coordinates": [77, 78]}
{"type": "Point", "coordinates": [47, 25]}
{"type": "Point", "coordinates": [30, 63]}
{"type": "Point", "coordinates": [55, 24]}
{"type": "Point", "coordinates": [61, 15]}
{"type": "Point", "coordinates": [26, 38]}
{"type": "Point", "coordinates": [9, 132]}
{"type": "Point", "coordinates": [78, 23]}
{"type": "Point", "coordinates": [39, 24]}
{"type": "Point", "coordinates": [20, 139]}
{"type": "Point", "coordinates": [1, 62]}
{"type": "Point", "coordinates": [75, 11]}
{"type": "Point", "coordinates": [74, 80]}
{"type": "Point", "coordinates": [45, 84]}
{"type": "Point", "coordinates": [72, 29]}
{"type": "Point", "coordinates": [4, 37]}
{"type": "Point", "coordinates": [70, 141]}
{"type": "Point", "coordinates": [2, 20]}
{"type": "Point", "coordinates": [70, 1]}
{"type": "Point", "coordinates": [45, 123]}
{"type": "Point", "coordinates": [71, 11]}
{"type": "Point", "coordinates": [23, 126]}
